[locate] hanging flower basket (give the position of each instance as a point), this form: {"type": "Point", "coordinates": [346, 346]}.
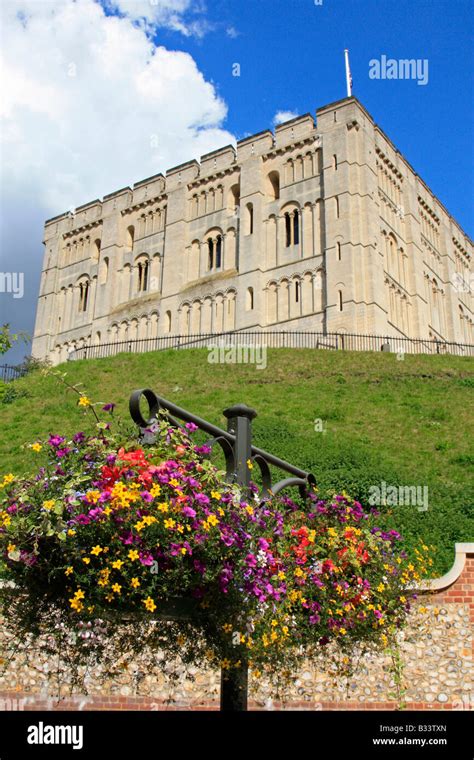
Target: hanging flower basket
{"type": "Point", "coordinates": [108, 537]}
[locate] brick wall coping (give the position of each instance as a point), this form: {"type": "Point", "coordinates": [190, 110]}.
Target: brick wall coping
{"type": "Point", "coordinates": [438, 584]}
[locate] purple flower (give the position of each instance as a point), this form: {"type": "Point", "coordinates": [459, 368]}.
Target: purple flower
{"type": "Point", "coordinates": [199, 566]}
{"type": "Point", "coordinates": [146, 558]}
{"type": "Point", "coordinates": [189, 512]}
{"type": "Point", "coordinates": [202, 449]}
{"type": "Point", "coordinates": [191, 426]}
{"type": "Point", "coordinates": [56, 440]}
{"type": "Point", "coordinates": [78, 437]}
{"type": "Point", "coordinates": [108, 407]}
{"type": "Point", "coordinates": [63, 452]}
{"type": "Point", "coordinates": [201, 498]}
{"type": "Point", "coordinates": [146, 496]}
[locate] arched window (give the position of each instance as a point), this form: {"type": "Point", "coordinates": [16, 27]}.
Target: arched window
{"type": "Point", "coordinates": [249, 300]}
{"type": "Point", "coordinates": [334, 162]}
{"type": "Point", "coordinates": [339, 299]}
{"type": "Point", "coordinates": [234, 198]}
{"type": "Point", "coordinates": [273, 185]}
{"type": "Point", "coordinates": [336, 206]}
{"type": "Point", "coordinates": [249, 219]}
{"type": "Point", "coordinates": [218, 252]}
{"type": "Point", "coordinates": [143, 272]}
{"type": "Point", "coordinates": [168, 322]}
{"type": "Point", "coordinates": [210, 248]}
{"type": "Point", "coordinates": [292, 228]}
{"type": "Point", "coordinates": [287, 230]}
{"type": "Point", "coordinates": [338, 246]}
{"type": "Point", "coordinates": [296, 228]}
{"type": "Point", "coordinates": [83, 295]}
{"type": "Point", "coordinates": [130, 237]}
{"type": "Point", "coordinates": [297, 291]}
{"type": "Point", "coordinates": [96, 250]}
{"type": "Point", "coordinates": [104, 270]}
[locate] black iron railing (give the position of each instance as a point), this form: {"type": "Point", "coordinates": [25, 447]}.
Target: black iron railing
{"type": "Point", "coordinates": [9, 372]}
{"type": "Point", "coordinates": [277, 339]}
{"type": "Point", "coordinates": [236, 443]}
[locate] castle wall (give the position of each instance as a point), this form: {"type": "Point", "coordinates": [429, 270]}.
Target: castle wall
{"type": "Point", "coordinates": [319, 226]}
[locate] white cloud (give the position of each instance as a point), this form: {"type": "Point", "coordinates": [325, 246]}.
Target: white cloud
{"type": "Point", "coordinates": [172, 14]}
{"type": "Point", "coordinates": [90, 105]}
{"type": "Point", "coordinates": [282, 116]}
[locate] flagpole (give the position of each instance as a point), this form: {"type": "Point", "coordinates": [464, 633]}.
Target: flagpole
{"type": "Point", "coordinates": [348, 74]}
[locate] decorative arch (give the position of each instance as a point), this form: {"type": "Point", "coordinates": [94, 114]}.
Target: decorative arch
{"type": "Point", "coordinates": [272, 186]}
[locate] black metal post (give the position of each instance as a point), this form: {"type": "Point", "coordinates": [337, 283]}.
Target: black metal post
{"type": "Point", "coordinates": [234, 682]}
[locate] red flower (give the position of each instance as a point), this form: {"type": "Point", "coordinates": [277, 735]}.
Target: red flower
{"type": "Point", "coordinates": [136, 457]}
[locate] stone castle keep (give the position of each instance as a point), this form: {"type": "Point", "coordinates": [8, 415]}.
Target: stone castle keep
{"type": "Point", "coordinates": [320, 227]}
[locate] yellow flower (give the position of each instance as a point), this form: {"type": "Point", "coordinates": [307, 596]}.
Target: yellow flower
{"type": "Point", "coordinates": [135, 582]}
{"type": "Point", "coordinates": [274, 635]}
{"type": "Point", "coordinates": [86, 560]}
{"type": "Point", "coordinates": [249, 464]}
{"type": "Point", "coordinates": [155, 490]}
{"type": "Point", "coordinates": [117, 564]}
{"type": "Point", "coordinates": [117, 588]}
{"type": "Point", "coordinates": [281, 576]}
{"type": "Point", "coordinates": [96, 550]}
{"type": "Point", "coordinates": [170, 523]}
{"type": "Point", "coordinates": [36, 447]}
{"type": "Point", "coordinates": [163, 507]}
{"type": "Point", "coordinates": [49, 504]}
{"type": "Point", "coordinates": [227, 627]}
{"type": "Point", "coordinates": [84, 401]}
{"type": "Point", "coordinates": [215, 495]}
{"type": "Point", "coordinates": [149, 604]}
{"type": "Point", "coordinates": [76, 604]}
{"type": "Point", "coordinates": [92, 496]}
{"type": "Point", "coordinates": [274, 623]}
{"type": "Point", "coordinates": [212, 520]}
{"type": "Point", "coordinates": [79, 594]}
{"type": "Point", "coordinates": [380, 587]}
{"type": "Point", "coordinates": [133, 554]}
{"type": "Point", "coordinates": [174, 482]}
{"type": "Point", "coordinates": [8, 478]}
{"type": "Point", "coordinates": [71, 532]}
{"type": "Point", "coordinates": [225, 664]}
{"type": "Point", "coordinates": [342, 631]}
{"type": "Point", "coordinates": [69, 570]}
{"type": "Point", "coordinates": [249, 509]}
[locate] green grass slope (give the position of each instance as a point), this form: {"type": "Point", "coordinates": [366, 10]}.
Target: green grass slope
{"type": "Point", "coordinates": [403, 422]}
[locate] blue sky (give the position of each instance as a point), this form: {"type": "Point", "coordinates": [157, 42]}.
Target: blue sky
{"type": "Point", "coordinates": [71, 137]}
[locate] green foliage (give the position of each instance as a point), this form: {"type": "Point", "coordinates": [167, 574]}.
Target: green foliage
{"type": "Point", "coordinates": [10, 392]}
{"type": "Point", "coordinates": [402, 422]}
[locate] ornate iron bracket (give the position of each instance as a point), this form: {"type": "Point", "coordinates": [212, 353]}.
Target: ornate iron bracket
{"type": "Point", "coordinates": [235, 442]}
